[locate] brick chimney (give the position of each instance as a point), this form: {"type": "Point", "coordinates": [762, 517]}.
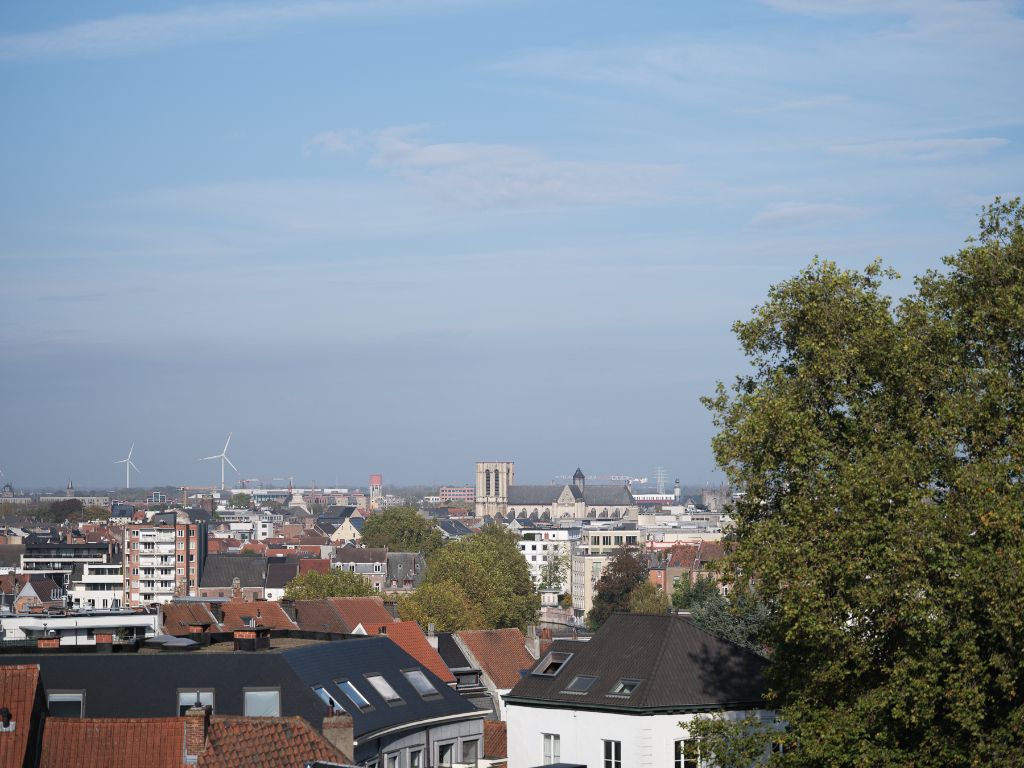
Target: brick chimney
{"type": "Point", "coordinates": [197, 723]}
{"type": "Point", "coordinates": [338, 729]}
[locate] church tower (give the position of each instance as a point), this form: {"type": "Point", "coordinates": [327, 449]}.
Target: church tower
{"type": "Point", "coordinates": [493, 479]}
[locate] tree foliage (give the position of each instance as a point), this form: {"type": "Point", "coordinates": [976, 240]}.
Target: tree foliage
{"type": "Point", "coordinates": [728, 743]}
{"type": "Point", "coordinates": [445, 605]}
{"type": "Point", "coordinates": [740, 618]}
{"type": "Point", "coordinates": [337, 582]}
{"type": "Point", "coordinates": [488, 568]}
{"type": "Point", "coordinates": [879, 447]}
{"type": "Point", "coordinates": [647, 598]}
{"type": "Point", "coordinates": [240, 500]}
{"type": "Point", "coordinates": [626, 570]}
{"type": "Point", "coordinates": [402, 529]}
{"type": "Point", "coordinates": [555, 570]}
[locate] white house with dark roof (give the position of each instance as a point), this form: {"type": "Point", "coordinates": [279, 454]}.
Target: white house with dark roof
{"type": "Point", "coordinates": [617, 701]}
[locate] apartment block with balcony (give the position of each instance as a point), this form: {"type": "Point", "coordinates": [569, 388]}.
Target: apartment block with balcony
{"type": "Point", "coordinates": [163, 559]}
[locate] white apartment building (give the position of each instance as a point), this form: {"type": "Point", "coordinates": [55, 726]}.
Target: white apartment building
{"type": "Point", "coordinates": [79, 627]}
{"type": "Point", "coordinates": [541, 545]}
{"type": "Point", "coordinates": [586, 570]}
{"type": "Point", "coordinates": [101, 585]}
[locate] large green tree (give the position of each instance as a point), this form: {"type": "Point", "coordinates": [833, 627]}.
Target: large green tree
{"type": "Point", "coordinates": [402, 529]}
{"type": "Point", "coordinates": [488, 568]}
{"type": "Point", "coordinates": [625, 571]}
{"type": "Point", "coordinates": [445, 605]}
{"type": "Point", "coordinates": [878, 445]}
{"type": "Point", "coordinates": [335, 583]}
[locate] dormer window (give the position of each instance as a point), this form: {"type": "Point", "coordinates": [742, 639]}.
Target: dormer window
{"type": "Point", "coordinates": [624, 687]}
{"type": "Point", "coordinates": [552, 664]}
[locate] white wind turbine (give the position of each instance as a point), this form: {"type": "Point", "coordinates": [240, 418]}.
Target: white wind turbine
{"type": "Point", "coordinates": [223, 456]}
{"type": "Point", "coordinates": [129, 465]}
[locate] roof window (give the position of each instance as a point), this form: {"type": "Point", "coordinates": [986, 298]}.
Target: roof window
{"type": "Point", "coordinates": [419, 681]}
{"type": "Point", "coordinates": [383, 687]}
{"type": "Point", "coordinates": [353, 694]}
{"type": "Point", "coordinates": [552, 664]}
{"type": "Point", "coordinates": [624, 687]}
{"type": "Point", "coordinates": [580, 684]}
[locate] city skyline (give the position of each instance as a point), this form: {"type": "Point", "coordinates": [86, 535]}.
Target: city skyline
{"type": "Point", "coordinates": [410, 235]}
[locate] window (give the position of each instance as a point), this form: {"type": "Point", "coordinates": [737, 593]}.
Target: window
{"type": "Point", "coordinates": [613, 754]}
{"type": "Point", "coordinates": [687, 754]}
{"type": "Point", "coordinates": [326, 698]}
{"type": "Point", "coordinates": [624, 687]}
{"type": "Point", "coordinates": [262, 703]}
{"type": "Point", "coordinates": [416, 758]}
{"type": "Point", "coordinates": [188, 698]}
{"type": "Point", "coordinates": [181, 558]}
{"type": "Point", "coordinates": [469, 751]}
{"type": "Point", "coordinates": [419, 681]}
{"type": "Point", "coordinates": [354, 695]}
{"type": "Point", "coordinates": [391, 761]}
{"type": "Point", "coordinates": [580, 684]}
{"type": "Point", "coordinates": [552, 748]}
{"type": "Point", "coordinates": [383, 687]}
{"type": "Point", "coordinates": [445, 754]}
{"type": "Point", "coordinates": [66, 703]}
{"type": "Point", "coordinates": [552, 664]}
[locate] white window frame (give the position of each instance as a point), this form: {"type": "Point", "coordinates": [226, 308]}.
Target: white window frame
{"type": "Point", "coordinates": [552, 748]}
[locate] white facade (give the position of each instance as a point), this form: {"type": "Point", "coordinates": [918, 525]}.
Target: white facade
{"type": "Point", "coordinates": [540, 546]}
{"type": "Point", "coordinates": [646, 741]}
{"type": "Point", "coordinates": [586, 570]}
{"type": "Point", "coordinates": [101, 586]}
{"type": "Point", "coordinates": [78, 629]}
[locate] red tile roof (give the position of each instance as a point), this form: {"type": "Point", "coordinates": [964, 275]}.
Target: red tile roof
{"type": "Point", "coordinates": [266, 612]}
{"type": "Point", "coordinates": [307, 564]}
{"type": "Point", "coordinates": [318, 616]}
{"type": "Point", "coordinates": [178, 617]}
{"type": "Point", "coordinates": [368, 611]}
{"type": "Point", "coordinates": [500, 653]}
{"type": "Point", "coordinates": [19, 684]}
{"type": "Point", "coordinates": [683, 555]}
{"type": "Point", "coordinates": [265, 742]}
{"type": "Point", "coordinates": [408, 636]}
{"type": "Point", "coordinates": [156, 742]}
{"type": "Point", "coordinates": [495, 739]}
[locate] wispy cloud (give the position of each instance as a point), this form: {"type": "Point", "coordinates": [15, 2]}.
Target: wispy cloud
{"type": "Point", "coordinates": [332, 143]}
{"type": "Point", "coordinates": [139, 33]}
{"type": "Point", "coordinates": [807, 214]}
{"type": "Point", "coordinates": [920, 149]}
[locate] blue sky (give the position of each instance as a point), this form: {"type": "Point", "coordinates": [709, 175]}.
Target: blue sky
{"type": "Point", "coordinates": [403, 235]}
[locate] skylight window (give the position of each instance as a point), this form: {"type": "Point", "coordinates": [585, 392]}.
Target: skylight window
{"type": "Point", "coordinates": [624, 687]}
{"type": "Point", "coordinates": [580, 684]}
{"type": "Point", "coordinates": [552, 664]}
{"type": "Point", "coordinates": [383, 687]}
{"type": "Point", "coordinates": [327, 699]}
{"type": "Point", "coordinates": [419, 681]}
{"type": "Point", "coordinates": [353, 694]}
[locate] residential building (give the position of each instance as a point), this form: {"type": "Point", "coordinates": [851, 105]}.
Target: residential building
{"type": "Point", "coordinates": [405, 570]}
{"type": "Point", "coordinates": [238, 577]}
{"type": "Point", "coordinates": [586, 570]}
{"type": "Point", "coordinates": [500, 655]}
{"type": "Point", "coordinates": [60, 560]}
{"type": "Point", "coordinates": [97, 585]}
{"type": "Point", "coordinates": [395, 711]}
{"type": "Point", "coordinates": [542, 545]}
{"type": "Point", "coordinates": [457, 493]}
{"type": "Point", "coordinates": [624, 698]}
{"type": "Point", "coordinates": [79, 628]}
{"type": "Point", "coordinates": [163, 558]}
{"type": "Point", "coordinates": [369, 562]}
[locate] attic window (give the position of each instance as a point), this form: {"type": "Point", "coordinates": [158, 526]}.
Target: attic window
{"type": "Point", "coordinates": [354, 695]}
{"type": "Point", "coordinates": [580, 684]}
{"type": "Point", "coordinates": [327, 699]}
{"type": "Point", "coordinates": [383, 687]}
{"type": "Point", "coordinates": [624, 687]}
{"type": "Point", "coordinates": [419, 681]}
{"type": "Point", "coordinates": [552, 664]}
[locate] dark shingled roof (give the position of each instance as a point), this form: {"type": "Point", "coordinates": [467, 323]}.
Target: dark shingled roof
{"type": "Point", "coordinates": [608, 496]}
{"type": "Point", "coordinates": [279, 572]}
{"type": "Point", "coordinates": [681, 668]}
{"type": "Point", "coordinates": [351, 554]}
{"type": "Point", "coordinates": [220, 570]}
{"type": "Point", "coordinates": [533, 495]}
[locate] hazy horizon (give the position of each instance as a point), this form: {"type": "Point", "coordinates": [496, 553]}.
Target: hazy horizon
{"type": "Point", "coordinates": [403, 236]}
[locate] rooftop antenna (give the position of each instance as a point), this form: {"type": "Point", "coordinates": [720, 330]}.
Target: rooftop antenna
{"type": "Point", "coordinates": [129, 465]}
{"type": "Point", "coordinates": [223, 456]}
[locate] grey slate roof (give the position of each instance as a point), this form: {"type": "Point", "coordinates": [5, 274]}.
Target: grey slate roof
{"type": "Point", "coordinates": [681, 668]}
{"type": "Point", "coordinates": [533, 495]}
{"type": "Point", "coordinates": [608, 496]}
{"type": "Point", "coordinates": [453, 528]}
{"type": "Point", "coordinates": [220, 570]}
{"type": "Point", "coordinates": [351, 554]}
{"type": "Point", "coordinates": [279, 572]}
